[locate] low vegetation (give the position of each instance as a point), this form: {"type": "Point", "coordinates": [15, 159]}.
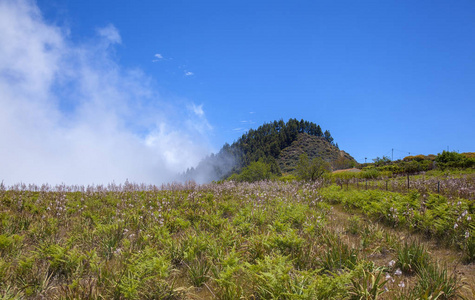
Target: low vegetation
{"type": "Point", "coordinates": [261, 240]}
{"type": "Point", "coordinates": [435, 216]}
{"type": "Point", "coordinates": [444, 161]}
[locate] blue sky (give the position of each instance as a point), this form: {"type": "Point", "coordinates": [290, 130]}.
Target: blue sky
{"type": "Point", "coordinates": [379, 75]}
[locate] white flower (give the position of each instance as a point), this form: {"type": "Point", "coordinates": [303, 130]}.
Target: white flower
{"type": "Point", "coordinates": [391, 263]}
{"type": "Point", "coordinates": [456, 225]}
{"type": "Point", "coordinates": [398, 272]}
{"type": "Point", "coordinates": [389, 278]}
{"type": "Point", "coordinates": [467, 234]}
{"type": "Point", "coordinates": [401, 284]}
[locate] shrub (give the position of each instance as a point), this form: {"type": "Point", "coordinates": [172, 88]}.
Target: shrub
{"type": "Point", "coordinates": [368, 283]}
{"type": "Point", "coordinates": [256, 171]}
{"type": "Point", "coordinates": [453, 159]}
{"type": "Point", "coordinates": [370, 173]}
{"type": "Point", "coordinates": [435, 283]}
{"type": "Point", "coordinates": [198, 271]}
{"type": "Point", "coordinates": [313, 170]}
{"type": "Point", "coordinates": [412, 257]}
{"type": "Point", "coordinates": [338, 255]}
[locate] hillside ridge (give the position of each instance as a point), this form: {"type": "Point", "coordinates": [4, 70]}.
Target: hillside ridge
{"type": "Point", "coordinates": [277, 144]}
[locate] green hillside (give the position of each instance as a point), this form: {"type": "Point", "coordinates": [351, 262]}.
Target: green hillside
{"type": "Point", "coordinates": [276, 144]}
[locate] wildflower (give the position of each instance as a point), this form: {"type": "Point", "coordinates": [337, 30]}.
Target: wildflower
{"type": "Point", "coordinates": [469, 218]}
{"type": "Point", "coordinates": [456, 225]}
{"type": "Point", "coordinates": [398, 272]}
{"type": "Point", "coordinates": [391, 263]}
{"type": "Point", "coordinates": [467, 234]}
{"type": "Point", "coordinates": [401, 284]}
{"type": "Point", "coordinates": [389, 278]}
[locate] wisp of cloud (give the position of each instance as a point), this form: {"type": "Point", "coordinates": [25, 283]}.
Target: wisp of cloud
{"type": "Point", "coordinates": [69, 113]}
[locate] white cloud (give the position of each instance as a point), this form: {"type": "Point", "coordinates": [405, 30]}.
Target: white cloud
{"type": "Point", "coordinates": [158, 57]}
{"type": "Point", "coordinates": [197, 109]}
{"type": "Point", "coordinates": [197, 120]}
{"type": "Point", "coordinates": [188, 73]}
{"type": "Point", "coordinates": [110, 33]}
{"type": "Point", "coordinates": [70, 113]}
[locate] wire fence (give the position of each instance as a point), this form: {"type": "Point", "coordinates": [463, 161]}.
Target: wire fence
{"type": "Point", "coordinates": [452, 187]}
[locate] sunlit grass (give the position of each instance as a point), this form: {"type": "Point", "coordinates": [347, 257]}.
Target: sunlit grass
{"type": "Point", "coordinates": [265, 240]}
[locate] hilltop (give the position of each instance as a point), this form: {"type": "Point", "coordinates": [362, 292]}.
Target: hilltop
{"type": "Point", "coordinates": [278, 145]}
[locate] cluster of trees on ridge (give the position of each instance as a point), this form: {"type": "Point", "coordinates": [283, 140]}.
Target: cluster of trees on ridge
{"type": "Point", "coordinates": [269, 139]}
{"type": "Point", "coordinates": [262, 145]}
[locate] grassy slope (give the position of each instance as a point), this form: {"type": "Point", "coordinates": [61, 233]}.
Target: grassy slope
{"type": "Point", "coordinates": [265, 240]}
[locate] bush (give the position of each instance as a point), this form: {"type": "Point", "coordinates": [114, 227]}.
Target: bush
{"type": "Point", "coordinates": [313, 170]}
{"type": "Point", "coordinates": [256, 171]}
{"type": "Point", "coordinates": [371, 173]}
{"type": "Point", "coordinates": [381, 161]}
{"type": "Point", "coordinates": [447, 160]}
{"type": "Point", "coordinates": [412, 258]}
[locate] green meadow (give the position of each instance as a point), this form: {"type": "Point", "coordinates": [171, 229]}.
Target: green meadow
{"type": "Point", "coordinates": [229, 240]}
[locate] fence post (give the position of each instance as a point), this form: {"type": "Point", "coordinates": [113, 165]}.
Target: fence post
{"type": "Point", "coordinates": [438, 187]}
{"type": "Point", "coordinates": [408, 181]}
